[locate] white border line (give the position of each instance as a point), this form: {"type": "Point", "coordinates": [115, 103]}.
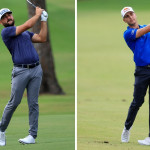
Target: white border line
{"type": "Point", "coordinates": [75, 74]}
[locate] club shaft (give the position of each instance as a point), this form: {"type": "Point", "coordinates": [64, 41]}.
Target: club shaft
{"type": "Point", "coordinates": [31, 4]}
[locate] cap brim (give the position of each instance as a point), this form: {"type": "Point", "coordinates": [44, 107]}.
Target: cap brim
{"type": "Point", "coordinates": [10, 12]}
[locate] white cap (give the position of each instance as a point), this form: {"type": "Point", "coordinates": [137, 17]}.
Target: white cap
{"type": "Point", "coordinates": [125, 10]}
{"type": "Point", "coordinates": [4, 11]}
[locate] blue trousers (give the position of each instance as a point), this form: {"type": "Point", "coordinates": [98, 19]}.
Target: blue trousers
{"type": "Point", "coordinates": [24, 78]}
{"type": "Point", "coordinates": [142, 82]}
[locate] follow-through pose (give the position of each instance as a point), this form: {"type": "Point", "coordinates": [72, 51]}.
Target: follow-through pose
{"type": "Point", "coordinates": [137, 38]}
{"type": "Point", "coordinates": [27, 71]}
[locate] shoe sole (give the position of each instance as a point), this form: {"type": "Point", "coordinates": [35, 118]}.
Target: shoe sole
{"type": "Point", "coordinates": [143, 143]}
{"type": "Point", "coordinates": [125, 141]}
{"type": "Point", "coordinates": [3, 144]}
{"type": "Point", "coordinates": [21, 142]}
{"type": "Point", "coordinates": [24, 142]}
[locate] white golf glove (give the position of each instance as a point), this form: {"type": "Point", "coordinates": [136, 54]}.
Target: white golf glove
{"type": "Point", "coordinates": [44, 16]}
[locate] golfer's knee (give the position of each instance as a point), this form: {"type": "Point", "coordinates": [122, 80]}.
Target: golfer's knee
{"type": "Point", "coordinates": [13, 105]}
{"type": "Point", "coordinates": [34, 106]}
{"type": "Point", "coordinates": [137, 104]}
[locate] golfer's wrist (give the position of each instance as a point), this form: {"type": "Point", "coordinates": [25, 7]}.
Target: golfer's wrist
{"type": "Point", "coordinates": [37, 15]}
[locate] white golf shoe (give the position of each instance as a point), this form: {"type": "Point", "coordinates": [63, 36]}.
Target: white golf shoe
{"type": "Point", "coordinates": [27, 140]}
{"type": "Point", "coordinates": [2, 139]}
{"type": "Point", "coordinates": [125, 135]}
{"type": "Point", "coordinates": [146, 141]}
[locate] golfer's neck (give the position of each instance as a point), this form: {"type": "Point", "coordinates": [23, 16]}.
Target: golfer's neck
{"type": "Point", "coordinates": [136, 26]}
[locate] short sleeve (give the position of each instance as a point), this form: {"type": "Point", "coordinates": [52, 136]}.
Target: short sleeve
{"type": "Point", "coordinates": [130, 34]}
{"type": "Point", "coordinates": [8, 32]}
{"type": "Point", "coordinates": [30, 34]}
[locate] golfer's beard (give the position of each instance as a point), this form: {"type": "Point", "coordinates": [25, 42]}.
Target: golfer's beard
{"type": "Point", "coordinates": [8, 25]}
{"type": "Point", "coordinates": [131, 25]}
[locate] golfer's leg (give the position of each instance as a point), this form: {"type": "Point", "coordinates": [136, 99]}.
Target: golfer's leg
{"type": "Point", "coordinates": [33, 93]}
{"type": "Point", "coordinates": [149, 111]}
{"type": "Point", "coordinates": [17, 90]}
{"type": "Point", "coordinates": [140, 88]}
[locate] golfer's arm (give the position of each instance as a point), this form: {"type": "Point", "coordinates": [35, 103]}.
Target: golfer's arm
{"type": "Point", "coordinates": [27, 25]}
{"type": "Point", "coordinates": [142, 31]}
{"type": "Point", "coordinates": [42, 36]}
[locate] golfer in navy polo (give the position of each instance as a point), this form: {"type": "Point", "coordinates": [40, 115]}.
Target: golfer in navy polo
{"type": "Point", "coordinates": [137, 38]}
{"type": "Point", "coordinates": [27, 71]}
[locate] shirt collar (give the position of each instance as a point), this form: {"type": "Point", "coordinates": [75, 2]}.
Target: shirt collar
{"type": "Point", "coordinates": [132, 28]}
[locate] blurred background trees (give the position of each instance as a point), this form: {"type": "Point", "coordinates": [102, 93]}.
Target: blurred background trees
{"type": "Point", "coordinates": [49, 82]}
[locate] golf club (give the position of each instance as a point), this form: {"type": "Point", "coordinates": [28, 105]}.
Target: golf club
{"type": "Point", "coordinates": [31, 3]}
{"type": "Point", "coordinates": [44, 12]}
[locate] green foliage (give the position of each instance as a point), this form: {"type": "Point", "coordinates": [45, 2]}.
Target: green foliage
{"type": "Point", "coordinates": [109, 5]}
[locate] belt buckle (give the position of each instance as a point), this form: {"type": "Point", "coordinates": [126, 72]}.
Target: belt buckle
{"type": "Point", "coordinates": [28, 66]}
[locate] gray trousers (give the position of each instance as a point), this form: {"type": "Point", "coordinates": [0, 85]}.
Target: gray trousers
{"type": "Point", "coordinates": [24, 78]}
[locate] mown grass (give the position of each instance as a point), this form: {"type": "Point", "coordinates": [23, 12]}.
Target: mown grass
{"type": "Point", "coordinates": [105, 77]}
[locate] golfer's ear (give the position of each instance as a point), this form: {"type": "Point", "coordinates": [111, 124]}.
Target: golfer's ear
{"type": "Point", "coordinates": [124, 20]}
{"type": "Point", "coordinates": [0, 22]}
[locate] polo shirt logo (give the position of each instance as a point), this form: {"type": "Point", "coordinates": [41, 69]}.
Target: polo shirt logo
{"type": "Point", "coordinates": [132, 33]}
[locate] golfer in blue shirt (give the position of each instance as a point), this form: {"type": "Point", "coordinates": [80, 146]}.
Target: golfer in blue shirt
{"type": "Point", "coordinates": [137, 38]}
{"type": "Point", "coordinates": [27, 71]}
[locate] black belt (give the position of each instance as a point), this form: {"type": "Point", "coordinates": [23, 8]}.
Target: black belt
{"type": "Point", "coordinates": [148, 66]}
{"type": "Point", "coordinates": [27, 65]}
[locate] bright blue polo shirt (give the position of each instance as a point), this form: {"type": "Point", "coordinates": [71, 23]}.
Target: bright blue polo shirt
{"type": "Point", "coordinates": [139, 46]}
{"type": "Point", "coordinates": [20, 47]}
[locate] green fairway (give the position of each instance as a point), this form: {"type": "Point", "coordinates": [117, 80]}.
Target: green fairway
{"type": "Point", "coordinates": [57, 119]}
{"type": "Point", "coordinates": [105, 76]}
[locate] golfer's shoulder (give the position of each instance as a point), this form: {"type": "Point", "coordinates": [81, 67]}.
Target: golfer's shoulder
{"type": "Point", "coordinates": [8, 30]}
{"type": "Point", "coordinates": [130, 34]}
{"type": "Point", "coordinates": [127, 32]}
{"type": "Point", "coordinates": [3, 32]}
{"type": "Point", "coordinates": [142, 26]}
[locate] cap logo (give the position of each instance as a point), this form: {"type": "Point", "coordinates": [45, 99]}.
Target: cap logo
{"type": "Point", "coordinates": [126, 9]}
{"type": "Point", "coordinates": [3, 12]}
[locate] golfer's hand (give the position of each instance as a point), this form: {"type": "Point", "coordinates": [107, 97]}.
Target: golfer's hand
{"type": "Point", "coordinates": [44, 16]}
{"type": "Point", "coordinates": [38, 11]}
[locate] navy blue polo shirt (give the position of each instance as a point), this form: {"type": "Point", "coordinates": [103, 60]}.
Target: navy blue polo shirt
{"type": "Point", "coordinates": [20, 47]}
{"type": "Point", "coordinates": [139, 46]}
